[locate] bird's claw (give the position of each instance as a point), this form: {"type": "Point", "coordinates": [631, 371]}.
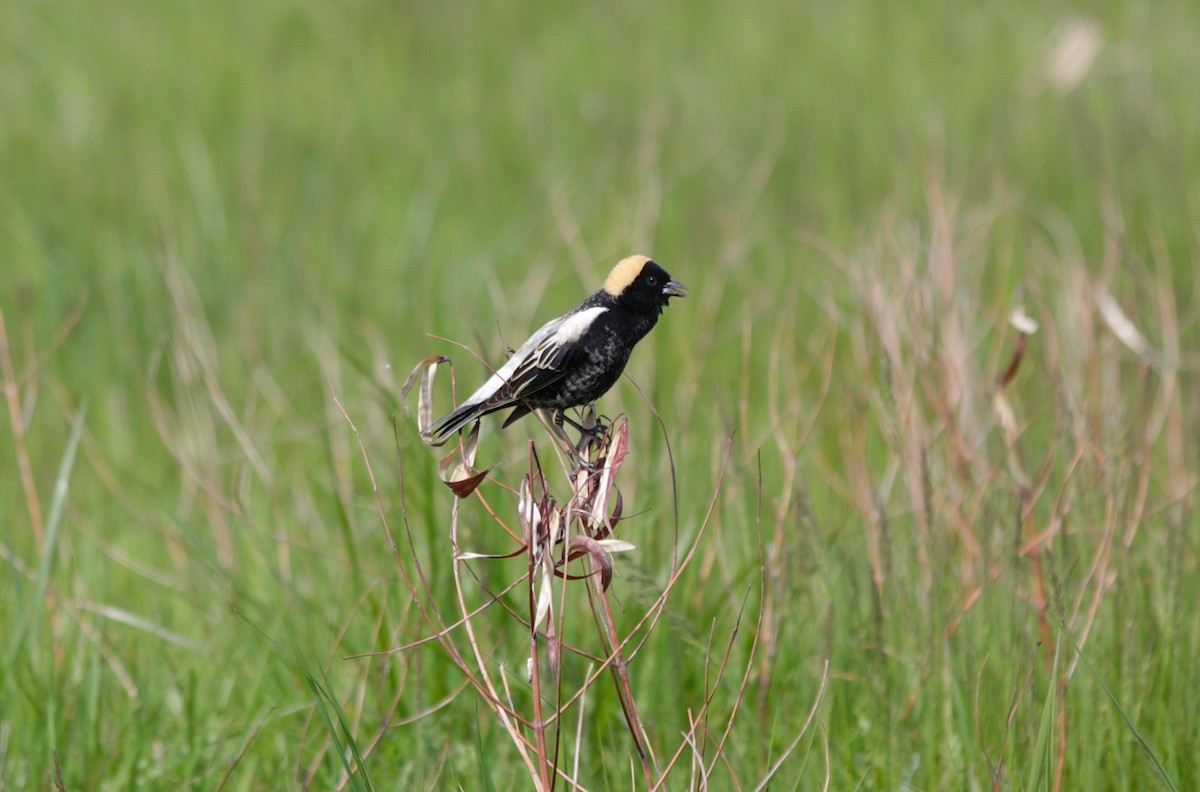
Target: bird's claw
{"type": "Point", "coordinates": [592, 432]}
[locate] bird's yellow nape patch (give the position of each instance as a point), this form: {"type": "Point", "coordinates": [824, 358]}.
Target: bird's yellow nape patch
{"type": "Point", "coordinates": [624, 274]}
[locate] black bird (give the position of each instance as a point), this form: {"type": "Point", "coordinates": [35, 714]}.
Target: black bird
{"type": "Point", "coordinates": [574, 359]}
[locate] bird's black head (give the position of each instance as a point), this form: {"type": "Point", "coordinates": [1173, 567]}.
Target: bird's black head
{"type": "Point", "coordinates": [642, 285]}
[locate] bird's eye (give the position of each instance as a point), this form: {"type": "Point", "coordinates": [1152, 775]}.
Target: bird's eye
{"type": "Point", "coordinates": [652, 280]}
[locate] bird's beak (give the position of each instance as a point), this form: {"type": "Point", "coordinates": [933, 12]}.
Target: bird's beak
{"type": "Point", "coordinates": [674, 289]}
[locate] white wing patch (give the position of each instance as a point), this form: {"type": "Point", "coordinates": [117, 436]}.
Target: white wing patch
{"type": "Point", "coordinates": [575, 325]}
{"type": "Point", "coordinates": [563, 330]}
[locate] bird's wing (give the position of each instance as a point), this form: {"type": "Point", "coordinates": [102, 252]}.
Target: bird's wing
{"type": "Point", "coordinates": [539, 362]}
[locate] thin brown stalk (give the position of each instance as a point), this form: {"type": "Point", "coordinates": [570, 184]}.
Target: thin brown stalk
{"type": "Point", "coordinates": [422, 592]}
{"type": "Point", "coordinates": [812, 713]}
{"type": "Point", "coordinates": [545, 779]}
{"type": "Point", "coordinates": [697, 753]}
{"type": "Point", "coordinates": [619, 668]}
{"type": "Point", "coordinates": [695, 740]}
{"type": "Point", "coordinates": [1097, 572]}
{"type": "Point", "coordinates": [438, 705]}
{"type": "Point", "coordinates": [712, 689]}
{"type": "Point", "coordinates": [485, 686]}
{"type": "Point", "coordinates": [494, 598]}
{"type": "Point", "coordinates": [578, 750]}
{"type": "Point", "coordinates": [241, 753]}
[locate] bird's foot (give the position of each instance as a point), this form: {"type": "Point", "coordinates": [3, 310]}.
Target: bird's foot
{"type": "Point", "coordinates": [592, 432]}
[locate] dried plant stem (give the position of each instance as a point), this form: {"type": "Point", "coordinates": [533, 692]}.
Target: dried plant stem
{"type": "Point", "coordinates": [812, 713]}
{"type": "Point", "coordinates": [535, 671]}
{"type": "Point", "coordinates": [619, 668]}
{"type": "Point", "coordinates": [422, 593]}
{"type": "Point", "coordinates": [554, 533]}
{"type": "Point", "coordinates": [490, 697]}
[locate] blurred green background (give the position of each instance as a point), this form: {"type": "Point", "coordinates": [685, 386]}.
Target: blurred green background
{"type": "Point", "coordinates": [215, 217]}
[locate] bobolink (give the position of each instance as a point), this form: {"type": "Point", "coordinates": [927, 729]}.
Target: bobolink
{"type": "Point", "coordinates": [574, 359]}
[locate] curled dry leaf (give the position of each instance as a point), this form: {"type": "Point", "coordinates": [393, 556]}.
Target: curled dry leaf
{"type": "Point", "coordinates": [614, 456]}
{"type": "Point", "coordinates": [580, 482]}
{"type": "Point", "coordinates": [1011, 432]}
{"type": "Point", "coordinates": [525, 503]}
{"type": "Point", "coordinates": [451, 468]}
{"type": "Point", "coordinates": [545, 576]}
{"type": "Point", "coordinates": [618, 446]}
{"type": "Point", "coordinates": [553, 649]}
{"type": "Point", "coordinates": [1123, 328]}
{"type": "Point", "coordinates": [471, 445]}
{"type": "Point", "coordinates": [532, 513]}
{"type": "Point", "coordinates": [615, 516]}
{"type": "Point", "coordinates": [599, 556]}
{"type": "Point", "coordinates": [1008, 419]}
{"type": "Point", "coordinates": [1025, 326]}
{"type": "Point", "coordinates": [1015, 362]}
{"type": "Point", "coordinates": [464, 487]}
{"type": "Point", "coordinates": [554, 526]}
{"type": "Point", "coordinates": [424, 372]}
{"type": "Point", "coordinates": [456, 470]}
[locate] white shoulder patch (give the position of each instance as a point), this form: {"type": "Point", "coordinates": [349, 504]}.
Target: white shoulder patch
{"type": "Point", "coordinates": [574, 326]}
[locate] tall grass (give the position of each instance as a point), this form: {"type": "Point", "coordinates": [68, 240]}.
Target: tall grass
{"type": "Point", "coordinates": [219, 222]}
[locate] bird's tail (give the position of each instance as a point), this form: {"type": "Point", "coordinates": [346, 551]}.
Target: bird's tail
{"type": "Point", "coordinates": [444, 428]}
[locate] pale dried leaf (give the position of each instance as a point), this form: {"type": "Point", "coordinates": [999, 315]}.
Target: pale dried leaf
{"type": "Point", "coordinates": [614, 456]}
{"type": "Point", "coordinates": [451, 467]}
{"type": "Point", "coordinates": [1122, 327]}
{"type": "Point", "coordinates": [599, 557]}
{"type": "Point", "coordinates": [1023, 322]}
{"type": "Point", "coordinates": [424, 372]}
{"type": "Point", "coordinates": [599, 505]}
{"type": "Point", "coordinates": [1008, 419]}
{"type": "Point", "coordinates": [530, 512]}
{"type": "Point", "coordinates": [580, 482]}
{"type": "Point", "coordinates": [525, 501]}
{"type": "Point", "coordinates": [553, 649]}
{"type": "Point", "coordinates": [618, 447]}
{"type": "Point", "coordinates": [467, 555]}
{"type": "Point", "coordinates": [545, 590]}
{"type": "Point", "coordinates": [1073, 53]}
{"type": "Point", "coordinates": [471, 445]}
{"type": "Point", "coordinates": [616, 545]}
{"type": "Point", "coordinates": [554, 528]}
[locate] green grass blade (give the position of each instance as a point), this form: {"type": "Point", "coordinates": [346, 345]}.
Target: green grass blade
{"type": "Point", "coordinates": [1129, 724]}
{"type": "Point", "coordinates": [1041, 770]}
{"type": "Point", "coordinates": [340, 733]}
{"type": "Point", "coordinates": [32, 615]}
